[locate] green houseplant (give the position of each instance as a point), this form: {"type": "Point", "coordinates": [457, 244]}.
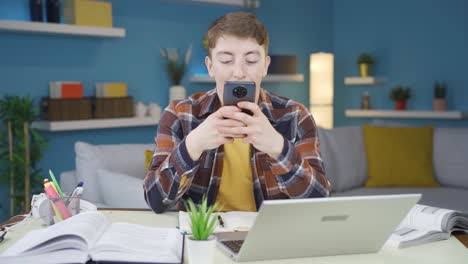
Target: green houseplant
{"type": "Point", "coordinates": [203, 220]}
{"type": "Point", "coordinates": [400, 95]}
{"type": "Point", "coordinates": [176, 65]}
{"type": "Point", "coordinates": [365, 62]}
{"type": "Point", "coordinates": [21, 148]}
{"type": "Point", "coordinates": [439, 103]}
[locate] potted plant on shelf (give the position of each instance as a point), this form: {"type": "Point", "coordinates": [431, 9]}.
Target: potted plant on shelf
{"type": "Point", "coordinates": [201, 244]}
{"type": "Point", "coordinates": [400, 95]}
{"type": "Point", "coordinates": [365, 62]}
{"type": "Point", "coordinates": [439, 103]}
{"type": "Point", "coordinates": [176, 66]}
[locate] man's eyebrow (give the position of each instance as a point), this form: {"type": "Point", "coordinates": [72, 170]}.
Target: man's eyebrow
{"type": "Point", "coordinates": [220, 53]}
{"type": "Point", "coordinates": [254, 52]}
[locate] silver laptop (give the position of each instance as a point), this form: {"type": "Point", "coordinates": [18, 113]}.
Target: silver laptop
{"type": "Point", "coordinates": [299, 228]}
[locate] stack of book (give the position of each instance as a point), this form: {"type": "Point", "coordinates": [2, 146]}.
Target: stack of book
{"type": "Point", "coordinates": [65, 102]}
{"type": "Point", "coordinates": [87, 13]}
{"type": "Point", "coordinates": [106, 90]}
{"type": "Point", "coordinates": [65, 90]}
{"type": "Point", "coordinates": [112, 100]}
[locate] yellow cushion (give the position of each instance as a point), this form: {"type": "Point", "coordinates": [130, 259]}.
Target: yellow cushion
{"type": "Point", "coordinates": [399, 156]}
{"type": "Point", "coordinates": [148, 158]}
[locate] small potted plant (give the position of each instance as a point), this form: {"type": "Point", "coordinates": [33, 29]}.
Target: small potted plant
{"type": "Point", "coordinates": [201, 244]}
{"type": "Point", "coordinates": [365, 62]}
{"type": "Point", "coordinates": [175, 65]}
{"type": "Point", "coordinates": [400, 95]}
{"type": "Point", "coordinates": [439, 103]}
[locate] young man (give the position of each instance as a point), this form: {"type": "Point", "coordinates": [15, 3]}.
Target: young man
{"type": "Point", "coordinates": [205, 148]}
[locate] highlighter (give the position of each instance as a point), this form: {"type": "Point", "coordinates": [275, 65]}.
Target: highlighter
{"type": "Point", "coordinates": [57, 200]}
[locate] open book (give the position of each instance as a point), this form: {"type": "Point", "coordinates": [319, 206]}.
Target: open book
{"type": "Point", "coordinates": [425, 224]}
{"type": "Point", "coordinates": [88, 235]}
{"type": "Point", "coordinates": [232, 221]}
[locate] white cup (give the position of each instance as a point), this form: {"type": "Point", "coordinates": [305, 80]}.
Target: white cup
{"type": "Point", "coordinates": [140, 109]}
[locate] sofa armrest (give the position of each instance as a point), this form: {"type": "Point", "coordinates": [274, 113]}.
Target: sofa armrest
{"type": "Point", "coordinates": [68, 181]}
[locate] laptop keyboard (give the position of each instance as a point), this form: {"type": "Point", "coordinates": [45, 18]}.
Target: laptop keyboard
{"type": "Point", "coordinates": [234, 245]}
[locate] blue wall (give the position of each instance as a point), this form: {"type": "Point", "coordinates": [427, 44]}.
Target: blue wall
{"type": "Point", "coordinates": [415, 43]}
{"type": "Point", "coordinates": [29, 61]}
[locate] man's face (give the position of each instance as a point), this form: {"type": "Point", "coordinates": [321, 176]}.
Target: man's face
{"type": "Point", "coordinates": [237, 59]}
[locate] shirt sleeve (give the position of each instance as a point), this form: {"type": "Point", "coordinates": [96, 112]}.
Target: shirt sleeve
{"type": "Point", "coordinates": [170, 163]}
{"type": "Point", "coordinates": [299, 170]}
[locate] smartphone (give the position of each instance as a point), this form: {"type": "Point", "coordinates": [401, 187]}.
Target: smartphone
{"type": "Point", "coordinates": [235, 92]}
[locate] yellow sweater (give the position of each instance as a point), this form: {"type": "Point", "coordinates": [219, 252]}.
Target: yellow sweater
{"type": "Point", "coordinates": [236, 188]}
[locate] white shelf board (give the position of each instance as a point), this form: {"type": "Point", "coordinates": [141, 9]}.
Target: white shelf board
{"type": "Point", "coordinates": [268, 78]}
{"type": "Point", "coordinates": [241, 3]}
{"type": "Point", "coordinates": [356, 80]}
{"type": "Point", "coordinates": [94, 123]}
{"type": "Point", "coordinates": [406, 114]}
{"type": "Point", "coordinates": [63, 29]}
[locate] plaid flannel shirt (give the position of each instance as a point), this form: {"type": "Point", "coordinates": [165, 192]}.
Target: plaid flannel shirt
{"type": "Point", "coordinates": [297, 173]}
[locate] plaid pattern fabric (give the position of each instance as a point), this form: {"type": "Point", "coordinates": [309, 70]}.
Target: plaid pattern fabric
{"type": "Point", "coordinates": [297, 173]}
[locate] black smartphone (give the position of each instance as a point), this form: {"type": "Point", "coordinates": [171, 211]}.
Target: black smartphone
{"type": "Point", "coordinates": [235, 92]}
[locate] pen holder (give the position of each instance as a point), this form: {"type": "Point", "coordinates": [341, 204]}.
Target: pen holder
{"type": "Point", "coordinates": [62, 208]}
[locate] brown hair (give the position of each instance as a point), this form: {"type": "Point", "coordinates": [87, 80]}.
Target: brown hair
{"type": "Point", "coordinates": [238, 24]}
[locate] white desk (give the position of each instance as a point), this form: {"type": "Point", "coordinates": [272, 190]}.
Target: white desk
{"type": "Point", "coordinates": [447, 251]}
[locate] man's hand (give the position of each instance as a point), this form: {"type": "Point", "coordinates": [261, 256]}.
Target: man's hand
{"type": "Point", "coordinates": [257, 129]}
{"type": "Point", "coordinates": [209, 135]}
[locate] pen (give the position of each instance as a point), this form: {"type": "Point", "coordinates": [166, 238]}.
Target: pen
{"type": "Point", "coordinates": [76, 193]}
{"type": "Point", "coordinates": [52, 176]}
{"type": "Point", "coordinates": [221, 222]}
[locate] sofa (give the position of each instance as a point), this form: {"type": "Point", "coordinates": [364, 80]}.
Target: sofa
{"type": "Point", "coordinates": [344, 155]}
{"type": "Point", "coordinates": [113, 174]}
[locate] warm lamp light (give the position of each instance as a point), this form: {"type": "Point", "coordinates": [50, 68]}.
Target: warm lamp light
{"type": "Point", "coordinates": [321, 89]}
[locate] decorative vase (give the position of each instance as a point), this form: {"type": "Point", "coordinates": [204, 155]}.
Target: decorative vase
{"type": "Point", "coordinates": [364, 69]}
{"type": "Point", "coordinates": [201, 251]}
{"type": "Point", "coordinates": [400, 105]}
{"type": "Point", "coordinates": [176, 92]}
{"type": "Point", "coordinates": [439, 104]}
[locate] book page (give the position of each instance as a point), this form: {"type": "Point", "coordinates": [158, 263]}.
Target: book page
{"type": "Point", "coordinates": [136, 243]}
{"type": "Point", "coordinates": [425, 217]}
{"type": "Point", "coordinates": [233, 221]}
{"type": "Point", "coordinates": [77, 232]}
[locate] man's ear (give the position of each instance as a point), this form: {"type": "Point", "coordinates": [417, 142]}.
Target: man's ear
{"type": "Point", "coordinates": [209, 66]}
{"type": "Point", "coordinates": [267, 64]}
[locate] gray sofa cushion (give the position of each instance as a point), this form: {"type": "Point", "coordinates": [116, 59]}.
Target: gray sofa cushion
{"type": "Point", "coordinates": [451, 156]}
{"type": "Point", "coordinates": [344, 156]}
{"type": "Point", "coordinates": [444, 197]}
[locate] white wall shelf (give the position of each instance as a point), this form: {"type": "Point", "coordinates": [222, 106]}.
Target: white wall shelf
{"type": "Point", "coordinates": [268, 78]}
{"type": "Point", "coordinates": [358, 113]}
{"type": "Point", "coordinates": [60, 29]}
{"type": "Point", "coordinates": [364, 80]}
{"type": "Point", "coordinates": [241, 3]}
{"type": "Point", "coordinates": [94, 123]}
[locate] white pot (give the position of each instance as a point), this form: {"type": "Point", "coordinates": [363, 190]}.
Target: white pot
{"type": "Point", "coordinates": [201, 251]}
{"type": "Point", "coordinates": [176, 92]}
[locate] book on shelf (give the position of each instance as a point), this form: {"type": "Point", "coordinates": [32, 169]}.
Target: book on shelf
{"type": "Point", "coordinates": [89, 236]}
{"type": "Point", "coordinates": [424, 224]}
{"type": "Point", "coordinates": [65, 90]}
{"type": "Point", "coordinates": [87, 13]}
{"type": "Point", "coordinates": [232, 221]}
{"type": "Point", "coordinates": [116, 89]}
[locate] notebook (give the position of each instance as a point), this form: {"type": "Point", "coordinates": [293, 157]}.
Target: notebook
{"type": "Point", "coordinates": [299, 228]}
